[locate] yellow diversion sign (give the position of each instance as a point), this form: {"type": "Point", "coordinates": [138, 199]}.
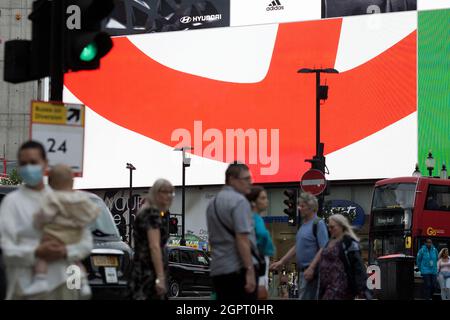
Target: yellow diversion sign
{"type": "Point", "coordinates": [60, 129]}
{"type": "Point", "coordinates": [52, 113]}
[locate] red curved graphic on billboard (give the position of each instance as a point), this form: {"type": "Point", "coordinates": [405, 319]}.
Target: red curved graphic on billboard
{"type": "Point", "coordinates": [144, 96]}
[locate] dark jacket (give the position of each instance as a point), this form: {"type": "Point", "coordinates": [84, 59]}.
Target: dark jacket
{"type": "Point", "coordinates": [350, 254]}
{"type": "Point", "coordinates": [2, 278]}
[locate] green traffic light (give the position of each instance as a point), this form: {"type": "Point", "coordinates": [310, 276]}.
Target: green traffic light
{"type": "Point", "coordinates": [89, 52]}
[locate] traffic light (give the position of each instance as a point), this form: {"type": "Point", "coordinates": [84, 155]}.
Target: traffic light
{"type": "Point", "coordinates": [173, 226]}
{"type": "Point", "coordinates": [66, 36]}
{"type": "Point", "coordinates": [318, 162]}
{"type": "Point", "coordinates": [27, 60]}
{"type": "Point", "coordinates": [291, 206]}
{"type": "Point", "coordinates": [85, 42]}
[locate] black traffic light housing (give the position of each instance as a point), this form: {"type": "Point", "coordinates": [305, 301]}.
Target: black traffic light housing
{"type": "Point", "coordinates": [17, 61]}
{"type": "Point", "coordinates": [85, 42]}
{"type": "Point", "coordinates": [291, 206]}
{"type": "Point", "coordinates": [318, 162]}
{"type": "Point", "coordinates": [61, 31]}
{"type": "Point", "coordinates": [173, 225]}
{"type": "Point", "coordinates": [322, 92]}
{"type": "Point", "coordinates": [27, 60]}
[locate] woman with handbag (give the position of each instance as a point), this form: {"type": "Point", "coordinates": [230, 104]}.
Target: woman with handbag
{"type": "Point", "coordinates": [151, 232]}
{"type": "Point", "coordinates": [260, 202]}
{"type": "Point", "coordinates": [444, 274]}
{"type": "Point", "coordinates": [341, 270]}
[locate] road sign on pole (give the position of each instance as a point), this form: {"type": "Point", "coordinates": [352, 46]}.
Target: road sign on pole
{"type": "Point", "coordinates": [60, 128]}
{"type": "Point", "coordinates": [313, 181]}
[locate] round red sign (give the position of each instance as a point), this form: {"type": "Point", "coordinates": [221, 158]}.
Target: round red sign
{"type": "Point", "coordinates": [313, 181]}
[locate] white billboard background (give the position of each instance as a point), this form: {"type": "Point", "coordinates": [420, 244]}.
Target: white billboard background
{"type": "Point", "coordinates": [433, 4]}
{"type": "Point", "coordinates": [250, 12]}
{"type": "Point", "coordinates": [245, 54]}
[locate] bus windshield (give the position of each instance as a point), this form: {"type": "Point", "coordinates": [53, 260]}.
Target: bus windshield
{"type": "Point", "coordinates": [387, 244]}
{"type": "Point", "coordinates": [395, 195]}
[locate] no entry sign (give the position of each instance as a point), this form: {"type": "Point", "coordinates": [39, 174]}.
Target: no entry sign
{"type": "Point", "coordinates": [313, 181]}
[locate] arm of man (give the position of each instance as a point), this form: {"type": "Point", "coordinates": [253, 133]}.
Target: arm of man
{"type": "Point", "coordinates": [154, 239]}
{"type": "Point", "coordinates": [14, 255]}
{"type": "Point", "coordinates": [242, 225]}
{"type": "Point", "coordinates": [285, 259]}
{"type": "Point", "coordinates": [309, 272]}
{"type": "Point", "coordinates": [322, 240]}
{"type": "Point", "coordinates": [244, 249]}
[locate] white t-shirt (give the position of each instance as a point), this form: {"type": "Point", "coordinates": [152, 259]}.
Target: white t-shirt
{"type": "Point", "coordinates": [19, 240]}
{"type": "Point", "coordinates": [444, 266]}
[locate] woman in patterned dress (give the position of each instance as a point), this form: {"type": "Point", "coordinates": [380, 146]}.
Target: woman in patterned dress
{"type": "Point", "coordinates": [342, 274]}
{"type": "Point", "coordinates": [151, 233]}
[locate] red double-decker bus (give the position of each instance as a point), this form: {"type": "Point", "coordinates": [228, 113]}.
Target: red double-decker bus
{"type": "Point", "coordinates": [407, 210]}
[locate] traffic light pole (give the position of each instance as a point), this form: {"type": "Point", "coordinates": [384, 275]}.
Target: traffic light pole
{"type": "Point", "coordinates": [130, 209]}
{"type": "Point", "coordinates": [318, 161]}
{"type": "Point", "coordinates": [130, 206]}
{"type": "Point", "coordinates": [317, 114]}
{"type": "Point", "coordinates": [57, 51]}
{"type": "Point", "coordinates": [319, 148]}
{"type": "Point", "coordinates": [183, 204]}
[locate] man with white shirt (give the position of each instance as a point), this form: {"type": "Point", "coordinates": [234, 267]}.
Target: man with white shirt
{"type": "Point", "coordinates": [20, 241]}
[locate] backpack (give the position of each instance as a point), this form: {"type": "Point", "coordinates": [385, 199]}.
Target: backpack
{"type": "Point", "coordinates": [315, 223]}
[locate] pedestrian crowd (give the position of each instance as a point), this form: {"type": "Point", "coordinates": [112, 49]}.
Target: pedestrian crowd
{"type": "Point", "coordinates": [44, 230]}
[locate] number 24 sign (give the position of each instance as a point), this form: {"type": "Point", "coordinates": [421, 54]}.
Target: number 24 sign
{"type": "Point", "coordinates": [60, 128]}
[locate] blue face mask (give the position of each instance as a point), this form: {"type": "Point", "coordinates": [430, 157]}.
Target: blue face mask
{"type": "Point", "coordinates": [31, 174]}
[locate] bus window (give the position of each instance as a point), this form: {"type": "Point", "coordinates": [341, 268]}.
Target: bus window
{"type": "Point", "coordinates": [377, 247]}
{"type": "Point", "coordinates": [396, 195]}
{"type": "Point", "coordinates": [390, 244]}
{"type": "Point", "coordinates": [438, 198]}
{"type": "Point", "coordinates": [395, 244]}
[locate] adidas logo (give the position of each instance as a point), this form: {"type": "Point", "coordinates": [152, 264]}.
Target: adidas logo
{"type": "Point", "coordinates": [275, 5]}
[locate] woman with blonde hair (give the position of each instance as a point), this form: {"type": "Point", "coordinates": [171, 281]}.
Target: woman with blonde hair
{"type": "Point", "coordinates": [444, 273]}
{"type": "Point", "coordinates": [150, 232]}
{"type": "Point", "coordinates": [342, 272]}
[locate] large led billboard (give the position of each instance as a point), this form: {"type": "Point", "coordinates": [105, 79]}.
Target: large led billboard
{"type": "Point", "coordinates": [434, 87]}
{"type": "Point", "coordinates": [234, 93]}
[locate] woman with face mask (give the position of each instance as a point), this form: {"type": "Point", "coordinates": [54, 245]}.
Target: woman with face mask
{"type": "Point", "coordinates": [20, 241]}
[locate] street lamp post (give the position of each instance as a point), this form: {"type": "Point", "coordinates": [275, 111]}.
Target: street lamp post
{"type": "Point", "coordinates": [318, 161]}
{"type": "Point", "coordinates": [321, 94]}
{"type": "Point", "coordinates": [130, 204]}
{"type": "Point", "coordinates": [185, 164]}
{"type": "Point", "coordinates": [416, 172]}
{"type": "Point", "coordinates": [430, 163]}
{"type": "Point", "coordinates": [444, 174]}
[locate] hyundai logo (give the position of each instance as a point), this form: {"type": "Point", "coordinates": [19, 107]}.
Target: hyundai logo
{"type": "Point", "coordinates": [185, 19]}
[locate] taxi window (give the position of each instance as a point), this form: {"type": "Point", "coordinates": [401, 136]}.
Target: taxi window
{"type": "Point", "coordinates": [186, 257]}
{"type": "Point", "coordinates": [201, 259]}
